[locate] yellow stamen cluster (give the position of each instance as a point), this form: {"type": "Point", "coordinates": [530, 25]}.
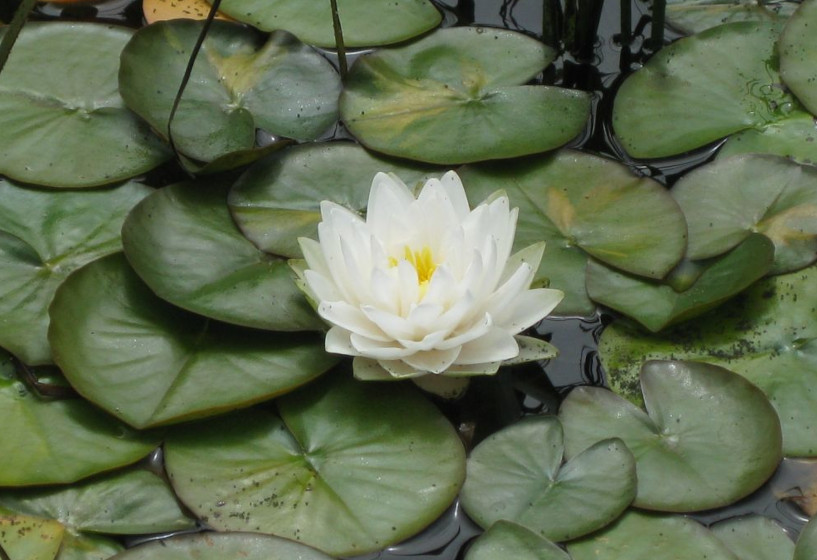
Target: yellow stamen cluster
{"type": "Point", "coordinates": [423, 263]}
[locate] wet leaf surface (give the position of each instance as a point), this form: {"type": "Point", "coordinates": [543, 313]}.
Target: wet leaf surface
{"type": "Point", "coordinates": [415, 101]}
{"type": "Point", "coordinates": [365, 24]}
{"type": "Point", "coordinates": [708, 437]}
{"type": "Point", "coordinates": [240, 82]}
{"type": "Point", "coordinates": [44, 236]}
{"type": "Point", "coordinates": [767, 335]}
{"type": "Point", "coordinates": [582, 205]}
{"type": "Point", "coordinates": [69, 112]}
{"type": "Point", "coordinates": [348, 467]}
{"type": "Point", "coordinates": [150, 363]}
{"type": "Point", "coordinates": [517, 475]}
{"type": "Point", "coordinates": [183, 243]}
{"type": "Point", "coordinates": [61, 441]}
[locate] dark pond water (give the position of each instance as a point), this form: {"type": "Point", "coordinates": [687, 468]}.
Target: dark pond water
{"type": "Point", "coordinates": [495, 402]}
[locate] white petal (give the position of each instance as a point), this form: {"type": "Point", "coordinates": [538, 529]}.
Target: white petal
{"type": "Point", "coordinates": [433, 361]}
{"type": "Point", "coordinates": [385, 290]}
{"type": "Point", "coordinates": [495, 345]}
{"type": "Point", "coordinates": [388, 196]}
{"type": "Point", "coordinates": [313, 254]}
{"type": "Point", "coordinates": [351, 318]}
{"type": "Point", "coordinates": [322, 287]}
{"type": "Point", "coordinates": [389, 350]}
{"type": "Point", "coordinates": [409, 283]}
{"type": "Point", "coordinates": [393, 326]}
{"type": "Point", "coordinates": [498, 303]}
{"type": "Point", "coordinates": [431, 341]}
{"type": "Point", "coordinates": [367, 369]}
{"type": "Point", "coordinates": [338, 342]}
{"type": "Point", "coordinates": [399, 369]}
{"type": "Point", "coordinates": [424, 314]}
{"type": "Point", "coordinates": [528, 308]}
{"type": "Point", "coordinates": [477, 330]}
{"type": "Point", "coordinates": [456, 193]}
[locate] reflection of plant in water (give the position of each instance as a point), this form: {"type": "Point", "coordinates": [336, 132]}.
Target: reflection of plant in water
{"type": "Point", "coordinates": [201, 315]}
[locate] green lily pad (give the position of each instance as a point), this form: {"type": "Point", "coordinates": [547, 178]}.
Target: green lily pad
{"type": "Point", "coordinates": [150, 363]}
{"type": "Point", "coordinates": [806, 548]}
{"type": "Point", "coordinates": [754, 538]}
{"type": "Point", "coordinates": [45, 235]}
{"type": "Point", "coordinates": [517, 475]}
{"type": "Point", "coordinates": [700, 89]}
{"type": "Point", "coordinates": [223, 546]}
{"type": "Point", "coordinates": [657, 306]}
{"type": "Point", "coordinates": [794, 137]}
{"type": "Point", "coordinates": [239, 83]}
{"type": "Point", "coordinates": [456, 96]}
{"type": "Point", "coordinates": [88, 547]}
{"type": "Point", "coordinates": [348, 467]}
{"type": "Point", "coordinates": [708, 438]}
{"type": "Point", "coordinates": [694, 16]}
{"type": "Point", "coordinates": [798, 54]}
{"type": "Point", "coordinates": [509, 540]}
{"type": "Point", "coordinates": [65, 125]}
{"type": "Point", "coordinates": [365, 23]}
{"type": "Point", "coordinates": [184, 245]}
{"type": "Point", "coordinates": [23, 537]}
{"type": "Point", "coordinates": [49, 442]}
{"type": "Point", "coordinates": [643, 536]}
{"type": "Point", "coordinates": [584, 205]}
{"type": "Point", "coordinates": [277, 200]}
{"type": "Point", "coordinates": [767, 335]}
{"type": "Point", "coordinates": [124, 503]}
{"type": "Point", "coordinates": [727, 200]}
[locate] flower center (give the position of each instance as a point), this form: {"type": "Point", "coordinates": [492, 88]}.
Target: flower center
{"type": "Point", "coordinates": [423, 263]}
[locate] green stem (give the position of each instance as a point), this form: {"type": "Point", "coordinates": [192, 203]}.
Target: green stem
{"type": "Point", "coordinates": [186, 78]}
{"type": "Point", "coordinates": [587, 27]}
{"type": "Point", "coordinates": [659, 8]}
{"type": "Point", "coordinates": [626, 36]}
{"type": "Point", "coordinates": [341, 48]}
{"type": "Point", "coordinates": [551, 22]}
{"type": "Point", "coordinates": [13, 30]}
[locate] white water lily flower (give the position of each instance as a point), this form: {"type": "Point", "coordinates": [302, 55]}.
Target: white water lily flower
{"type": "Point", "coordinates": [425, 285]}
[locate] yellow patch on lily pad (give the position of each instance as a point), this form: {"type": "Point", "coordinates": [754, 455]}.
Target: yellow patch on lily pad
{"type": "Point", "coordinates": [161, 10]}
{"type": "Point", "coordinates": [24, 537]}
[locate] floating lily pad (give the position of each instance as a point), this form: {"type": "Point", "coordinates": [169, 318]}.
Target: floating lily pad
{"type": "Point", "coordinates": [708, 438]}
{"type": "Point", "coordinates": [125, 503]}
{"type": "Point", "coordinates": [642, 536]}
{"type": "Point", "coordinates": [44, 235]}
{"type": "Point", "coordinates": [223, 546]}
{"type": "Point", "coordinates": [768, 335]}
{"type": "Point", "coordinates": [48, 442]}
{"type": "Point", "coordinates": [517, 475]}
{"type": "Point", "coordinates": [23, 537]}
{"type": "Point", "coordinates": [754, 538]}
{"type": "Point", "coordinates": [509, 540]}
{"type": "Point", "coordinates": [700, 89]}
{"type": "Point", "coordinates": [581, 204]}
{"type": "Point", "coordinates": [694, 16]}
{"type": "Point", "coordinates": [348, 467]}
{"type": "Point", "coordinates": [725, 201]}
{"type": "Point", "coordinates": [794, 137]}
{"type": "Point", "coordinates": [183, 243]}
{"type": "Point", "coordinates": [150, 363]}
{"type": "Point", "coordinates": [64, 124]}
{"type": "Point", "coordinates": [798, 54]}
{"type": "Point", "coordinates": [240, 82]}
{"type": "Point", "coordinates": [365, 23]}
{"type": "Point", "coordinates": [456, 96]}
{"type": "Point", "coordinates": [277, 200]}
{"type": "Point", "coordinates": [658, 305]}
{"type": "Point", "coordinates": [806, 548]}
